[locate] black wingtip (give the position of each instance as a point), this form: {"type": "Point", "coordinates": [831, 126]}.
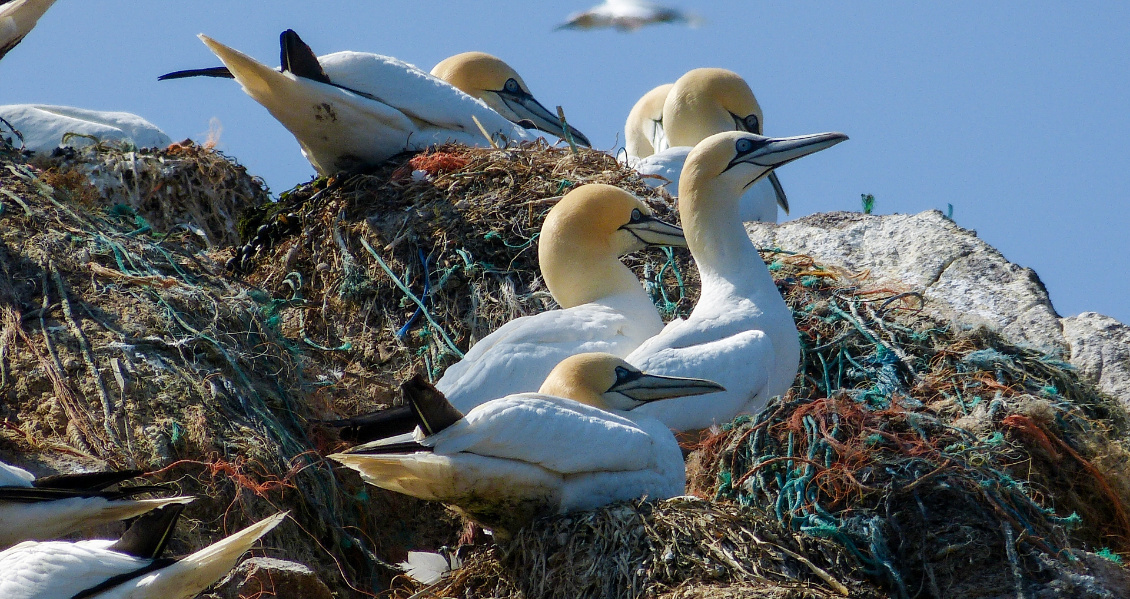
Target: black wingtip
{"type": "Point", "coordinates": [85, 481]}
{"type": "Point", "coordinates": [221, 72]}
{"type": "Point", "coordinates": [148, 536]}
{"type": "Point", "coordinates": [376, 425]}
{"type": "Point", "coordinates": [296, 57]}
{"type": "Point", "coordinates": [431, 407]}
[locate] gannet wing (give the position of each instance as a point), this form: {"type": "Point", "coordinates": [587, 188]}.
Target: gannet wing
{"type": "Point", "coordinates": [430, 101]}
{"type": "Point", "coordinates": [741, 363]}
{"type": "Point", "coordinates": [557, 434]}
{"type": "Point", "coordinates": [34, 569]}
{"type": "Point", "coordinates": [518, 356]}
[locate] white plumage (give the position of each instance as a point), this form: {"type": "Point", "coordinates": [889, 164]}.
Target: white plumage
{"type": "Point", "coordinates": [389, 107]}
{"type": "Point", "coordinates": [605, 308]}
{"type": "Point", "coordinates": [573, 445]}
{"type": "Point", "coordinates": [45, 512]}
{"type": "Point", "coordinates": [60, 569]}
{"type": "Point", "coordinates": [627, 15]}
{"type": "Point", "coordinates": [758, 203]}
{"type": "Point", "coordinates": [43, 127]}
{"type": "Point", "coordinates": [740, 333]}
{"type": "Point", "coordinates": [17, 18]}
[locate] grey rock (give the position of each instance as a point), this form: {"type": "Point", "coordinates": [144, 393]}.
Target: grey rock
{"type": "Point", "coordinates": [963, 279]}
{"type": "Point", "coordinates": [1100, 349]}
{"type": "Point", "coordinates": [270, 577]}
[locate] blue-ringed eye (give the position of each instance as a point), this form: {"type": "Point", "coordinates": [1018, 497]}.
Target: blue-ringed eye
{"type": "Point", "coordinates": [744, 146]}
{"type": "Point", "coordinates": [511, 86]}
{"type": "Point", "coordinates": [636, 215]}
{"type": "Point", "coordinates": [752, 124]}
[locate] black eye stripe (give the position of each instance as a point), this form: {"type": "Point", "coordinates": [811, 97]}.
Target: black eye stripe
{"type": "Point", "coordinates": [623, 375]}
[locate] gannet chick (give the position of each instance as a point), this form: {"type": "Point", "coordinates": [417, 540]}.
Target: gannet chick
{"type": "Point", "coordinates": [129, 568]}
{"type": "Point", "coordinates": [627, 15]}
{"type": "Point", "coordinates": [44, 127]}
{"type": "Point", "coordinates": [17, 18]}
{"type": "Point", "coordinates": [701, 103]}
{"type": "Point", "coordinates": [573, 445]}
{"type": "Point", "coordinates": [354, 109]}
{"type": "Point", "coordinates": [53, 506]}
{"type": "Point", "coordinates": [604, 306]}
{"type": "Point", "coordinates": [643, 131]}
{"type": "Point", "coordinates": [740, 333]}
{"type": "Point", "coordinates": [487, 78]}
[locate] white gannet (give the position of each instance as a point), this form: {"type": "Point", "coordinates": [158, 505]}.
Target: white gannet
{"type": "Point", "coordinates": [53, 506]}
{"type": "Point", "coordinates": [491, 80]}
{"type": "Point", "coordinates": [352, 109]}
{"type": "Point", "coordinates": [17, 18]}
{"type": "Point", "coordinates": [604, 306]}
{"type": "Point", "coordinates": [43, 127]}
{"type": "Point", "coordinates": [627, 15]}
{"type": "Point", "coordinates": [701, 103]}
{"type": "Point", "coordinates": [643, 131]}
{"type": "Point", "coordinates": [573, 445]}
{"type": "Point", "coordinates": [129, 568]}
{"type": "Point", "coordinates": [740, 333]}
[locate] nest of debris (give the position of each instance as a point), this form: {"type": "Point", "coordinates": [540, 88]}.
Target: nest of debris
{"type": "Point", "coordinates": [909, 458]}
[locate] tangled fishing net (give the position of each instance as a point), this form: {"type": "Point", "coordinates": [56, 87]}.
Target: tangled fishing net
{"type": "Point", "coordinates": [157, 311]}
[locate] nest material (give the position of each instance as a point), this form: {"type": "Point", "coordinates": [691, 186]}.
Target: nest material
{"type": "Point", "coordinates": [135, 348]}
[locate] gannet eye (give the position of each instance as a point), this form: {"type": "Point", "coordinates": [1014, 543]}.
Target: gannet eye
{"type": "Point", "coordinates": [511, 86]}
{"type": "Point", "coordinates": [752, 124]}
{"type": "Point", "coordinates": [623, 375]}
{"type": "Point", "coordinates": [636, 215]}
{"type": "Point", "coordinates": [744, 146]}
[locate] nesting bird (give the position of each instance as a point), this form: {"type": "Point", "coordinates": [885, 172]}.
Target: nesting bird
{"type": "Point", "coordinates": [53, 506]}
{"type": "Point", "coordinates": [604, 308]}
{"type": "Point", "coordinates": [663, 127]}
{"type": "Point", "coordinates": [44, 127]}
{"type": "Point", "coordinates": [575, 444]}
{"type": "Point", "coordinates": [740, 333]}
{"type": "Point", "coordinates": [355, 109]}
{"type": "Point", "coordinates": [17, 18]}
{"type": "Point", "coordinates": [129, 568]}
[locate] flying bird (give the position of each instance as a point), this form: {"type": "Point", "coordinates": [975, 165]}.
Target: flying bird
{"type": "Point", "coordinates": [627, 15]}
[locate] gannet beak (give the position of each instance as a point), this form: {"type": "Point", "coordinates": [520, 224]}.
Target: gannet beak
{"type": "Point", "coordinates": [772, 152]}
{"type": "Point", "coordinates": [529, 109]}
{"type": "Point", "coordinates": [641, 387]}
{"type": "Point", "coordinates": [782, 200]}
{"type": "Point", "coordinates": [652, 231]}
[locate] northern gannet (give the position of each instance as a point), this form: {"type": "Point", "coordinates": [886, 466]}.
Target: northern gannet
{"type": "Point", "coordinates": [643, 131]}
{"type": "Point", "coordinates": [491, 80]}
{"type": "Point", "coordinates": [43, 127]}
{"type": "Point", "coordinates": [17, 18]}
{"type": "Point", "coordinates": [741, 333]}
{"type": "Point", "coordinates": [573, 445]}
{"type": "Point", "coordinates": [627, 15]}
{"type": "Point", "coordinates": [129, 568]}
{"type": "Point", "coordinates": [353, 109]}
{"type": "Point", "coordinates": [53, 506]}
{"type": "Point", "coordinates": [701, 103]}
{"type": "Point", "coordinates": [604, 306]}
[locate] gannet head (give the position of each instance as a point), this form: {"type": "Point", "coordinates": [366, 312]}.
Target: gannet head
{"type": "Point", "coordinates": [584, 236]}
{"type": "Point", "coordinates": [708, 101]}
{"type": "Point", "coordinates": [725, 164]}
{"type": "Point", "coordinates": [607, 382]}
{"type": "Point", "coordinates": [645, 118]}
{"type": "Point", "coordinates": [491, 80]}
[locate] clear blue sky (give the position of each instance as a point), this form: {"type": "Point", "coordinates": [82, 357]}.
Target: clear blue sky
{"type": "Point", "coordinates": [1017, 114]}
